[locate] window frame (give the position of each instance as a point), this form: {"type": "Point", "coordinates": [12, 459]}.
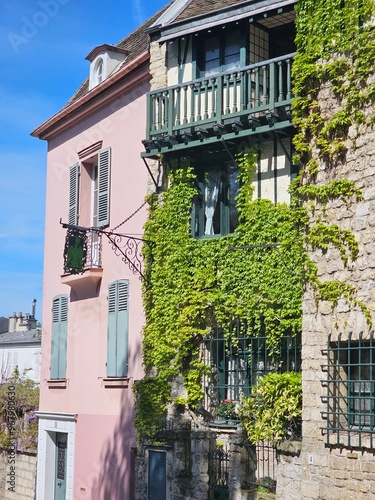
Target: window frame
{"type": "Point", "coordinates": [237, 357]}
{"type": "Point", "coordinates": [240, 33]}
{"type": "Point", "coordinates": [103, 159]}
{"type": "Point", "coordinates": [225, 200]}
{"type": "Point", "coordinates": [99, 71]}
{"type": "Point", "coordinates": [350, 410]}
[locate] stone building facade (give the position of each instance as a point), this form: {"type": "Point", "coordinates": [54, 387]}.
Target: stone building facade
{"type": "Point", "coordinates": [337, 459]}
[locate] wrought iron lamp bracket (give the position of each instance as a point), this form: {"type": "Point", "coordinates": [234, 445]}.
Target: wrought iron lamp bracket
{"type": "Point", "coordinates": [128, 247]}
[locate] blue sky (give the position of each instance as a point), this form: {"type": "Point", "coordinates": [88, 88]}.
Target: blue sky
{"type": "Point", "coordinates": [43, 45]}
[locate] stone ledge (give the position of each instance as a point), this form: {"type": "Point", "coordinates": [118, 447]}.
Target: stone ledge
{"type": "Point", "coordinates": [289, 448]}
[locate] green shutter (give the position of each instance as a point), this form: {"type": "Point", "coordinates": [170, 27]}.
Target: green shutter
{"type": "Point", "coordinates": [104, 172]}
{"type": "Point", "coordinates": [112, 330]}
{"type": "Point", "coordinates": [59, 336]}
{"type": "Point", "coordinates": [73, 194]}
{"type": "Point", "coordinates": [122, 328]}
{"type": "Point", "coordinates": [118, 325]}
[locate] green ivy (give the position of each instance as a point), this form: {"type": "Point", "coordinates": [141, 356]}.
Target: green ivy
{"type": "Point", "coordinates": [194, 284]}
{"type": "Point", "coordinates": [335, 50]}
{"type": "Point", "coordinates": [273, 411]}
{"type": "Point", "coordinates": [335, 45]}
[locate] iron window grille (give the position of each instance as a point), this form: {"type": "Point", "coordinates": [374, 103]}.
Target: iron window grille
{"type": "Point", "coordinates": [237, 360]}
{"type": "Point", "coordinates": [350, 392]}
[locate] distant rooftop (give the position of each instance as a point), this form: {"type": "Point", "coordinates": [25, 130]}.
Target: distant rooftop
{"type": "Point", "coordinates": [26, 337]}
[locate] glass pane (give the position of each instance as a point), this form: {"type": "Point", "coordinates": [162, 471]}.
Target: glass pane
{"type": "Point", "coordinates": [212, 67]}
{"type": "Point", "coordinates": [212, 203]}
{"type": "Point", "coordinates": [212, 48]}
{"type": "Point", "coordinates": [212, 56]}
{"type": "Point", "coordinates": [233, 192]}
{"type": "Point", "coordinates": [231, 52]}
{"type": "Point", "coordinates": [231, 63]}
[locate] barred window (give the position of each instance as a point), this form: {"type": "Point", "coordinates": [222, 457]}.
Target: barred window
{"type": "Point", "coordinates": [237, 359]}
{"type": "Point", "coordinates": [350, 395]}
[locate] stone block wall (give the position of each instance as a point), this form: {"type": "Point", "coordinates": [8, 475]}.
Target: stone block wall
{"type": "Point", "coordinates": [24, 477]}
{"type": "Point", "coordinates": [288, 475]}
{"type": "Point", "coordinates": [158, 65]}
{"type": "Point", "coordinates": [323, 472]}
{"type": "Point", "coordinates": [188, 464]}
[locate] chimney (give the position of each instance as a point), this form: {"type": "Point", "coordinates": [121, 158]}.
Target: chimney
{"type": "Point", "coordinates": [13, 323]}
{"type": "Point", "coordinates": [33, 308]}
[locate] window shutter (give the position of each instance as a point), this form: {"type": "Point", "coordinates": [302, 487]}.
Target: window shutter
{"type": "Point", "coordinates": [73, 194]}
{"type": "Point", "coordinates": [118, 324]}
{"type": "Point", "coordinates": [112, 327]}
{"type": "Point", "coordinates": [59, 336]}
{"type": "Point", "coordinates": [104, 171]}
{"type": "Point", "coordinates": [122, 328]}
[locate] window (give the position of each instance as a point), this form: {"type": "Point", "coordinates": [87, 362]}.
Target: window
{"type": "Point", "coordinates": [118, 325]}
{"type": "Point", "coordinates": [237, 359]}
{"type": "Point", "coordinates": [89, 197]}
{"type": "Point", "coordinates": [214, 208]}
{"type": "Point", "coordinates": [221, 52]}
{"type": "Point", "coordinates": [97, 189]}
{"type": "Point", "coordinates": [95, 238]}
{"type": "Point", "coordinates": [59, 336]}
{"type": "Point", "coordinates": [99, 71]}
{"type": "Point", "coordinates": [350, 389]}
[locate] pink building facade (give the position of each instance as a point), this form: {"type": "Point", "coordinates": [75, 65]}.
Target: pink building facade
{"type": "Point", "coordinates": [92, 311]}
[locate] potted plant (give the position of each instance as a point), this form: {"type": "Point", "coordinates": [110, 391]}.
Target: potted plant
{"type": "Point", "coordinates": [227, 410]}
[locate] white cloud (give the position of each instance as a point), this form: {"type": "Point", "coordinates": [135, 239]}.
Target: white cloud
{"type": "Point", "coordinates": [138, 11]}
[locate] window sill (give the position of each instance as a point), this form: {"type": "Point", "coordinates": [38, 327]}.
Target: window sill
{"type": "Point", "coordinates": [227, 424]}
{"type": "Point", "coordinates": [214, 236]}
{"type": "Point", "coordinates": [57, 383]}
{"type": "Point", "coordinates": [116, 381]}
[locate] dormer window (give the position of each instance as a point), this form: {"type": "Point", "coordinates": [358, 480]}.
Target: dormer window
{"type": "Point", "coordinates": [105, 60]}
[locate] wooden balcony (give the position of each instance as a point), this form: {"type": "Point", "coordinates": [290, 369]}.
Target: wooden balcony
{"type": "Point", "coordinates": [250, 100]}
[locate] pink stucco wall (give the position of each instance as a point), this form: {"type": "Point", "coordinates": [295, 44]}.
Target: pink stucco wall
{"type": "Point", "coordinates": [104, 457]}
{"type": "Point", "coordinates": [104, 415]}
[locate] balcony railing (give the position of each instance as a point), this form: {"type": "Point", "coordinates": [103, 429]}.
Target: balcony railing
{"type": "Point", "coordinates": [241, 95]}
{"type": "Point", "coordinates": [83, 249]}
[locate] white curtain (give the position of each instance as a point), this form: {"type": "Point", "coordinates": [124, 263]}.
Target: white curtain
{"type": "Point", "coordinates": [211, 192]}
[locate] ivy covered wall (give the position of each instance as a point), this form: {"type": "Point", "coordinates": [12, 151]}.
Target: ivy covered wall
{"type": "Point", "coordinates": [333, 75]}
{"type": "Point", "coordinates": [194, 284]}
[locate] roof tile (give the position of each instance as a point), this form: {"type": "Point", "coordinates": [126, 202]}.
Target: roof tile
{"type": "Point", "coordinates": [135, 43]}
{"type": "Point", "coordinates": [200, 7]}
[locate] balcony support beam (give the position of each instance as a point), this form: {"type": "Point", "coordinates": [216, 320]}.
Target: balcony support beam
{"type": "Point", "coordinates": [192, 140]}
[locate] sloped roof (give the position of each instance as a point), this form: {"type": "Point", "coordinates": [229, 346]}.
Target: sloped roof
{"type": "Point", "coordinates": [27, 337]}
{"type": "Point", "coordinates": [201, 7]}
{"type": "Point", "coordinates": [135, 44]}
